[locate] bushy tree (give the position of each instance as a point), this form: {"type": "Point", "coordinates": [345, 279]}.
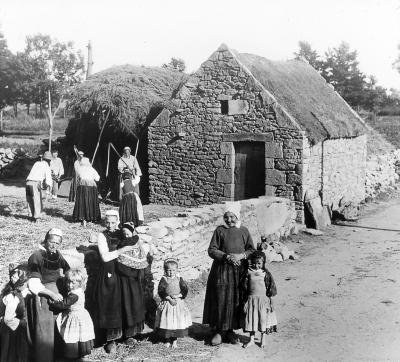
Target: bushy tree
{"type": "Point", "coordinates": [305, 52]}
{"type": "Point", "coordinates": [176, 63]}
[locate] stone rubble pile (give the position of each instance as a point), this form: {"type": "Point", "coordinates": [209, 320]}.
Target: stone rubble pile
{"type": "Point", "coordinates": [13, 162]}
{"type": "Point", "coordinates": [382, 173]}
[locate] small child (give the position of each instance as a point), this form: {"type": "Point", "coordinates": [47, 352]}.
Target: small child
{"type": "Point", "coordinates": [13, 328]}
{"type": "Point", "coordinates": [172, 317]}
{"type": "Point", "coordinates": [258, 287]}
{"type": "Point", "coordinates": [74, 325]}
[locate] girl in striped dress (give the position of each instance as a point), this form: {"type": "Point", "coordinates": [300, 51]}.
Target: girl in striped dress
{"type": "Point", "coordinates": [74, 325]}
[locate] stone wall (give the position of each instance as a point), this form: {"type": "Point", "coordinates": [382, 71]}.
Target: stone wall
{"type": "Point", "coordinates": [344, 167]}
{"type": "Point", "coordinates": [382, 173]}
{"type": "Point", "coordinates": [187, 237]}
{"type": "Point", "coordinates": [191, 145]}
{"type": "Point", "coordinates": [14, 163]}
{"type": "Point", "coordinates": [335, 169]}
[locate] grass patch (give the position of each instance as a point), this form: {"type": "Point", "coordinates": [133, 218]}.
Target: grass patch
{"type": "Point", "coordinates": [27, 123]}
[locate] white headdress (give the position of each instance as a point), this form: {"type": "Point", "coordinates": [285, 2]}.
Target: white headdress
{"type": "Point", "coordinates": [233, 207]}
{"type": "Point", "coordinates": [114, 213]}
{"type": "Point", "coordinates": [55, 231]}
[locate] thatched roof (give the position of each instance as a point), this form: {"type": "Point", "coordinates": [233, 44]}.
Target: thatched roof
{"type": "Point", "coordinates": [306, 96]}
{"type": "Point", "coordinates": [132, 94]}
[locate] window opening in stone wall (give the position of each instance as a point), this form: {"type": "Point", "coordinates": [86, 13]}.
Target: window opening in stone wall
{"type": "Point", "coordinates": [249, 173]}
{"type": "Point", "coordinates": [224, 107]}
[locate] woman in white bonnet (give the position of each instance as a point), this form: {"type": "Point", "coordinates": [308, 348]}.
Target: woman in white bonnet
{"type": "Point", "coordinates": [230, 246]}
{"type": "Point", "coordinates": [105, 301]}
{"type": "Point", "coordinates": [86, 207]}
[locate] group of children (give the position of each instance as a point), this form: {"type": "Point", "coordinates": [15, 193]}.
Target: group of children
{"type": "Point", "coordinates": [242, 272]}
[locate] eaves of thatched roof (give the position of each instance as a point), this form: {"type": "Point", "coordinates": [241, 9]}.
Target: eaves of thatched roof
{"type": "Point", "coordinates": [130, 93]}
{"type": "Point", "coordinates": [298, 88]}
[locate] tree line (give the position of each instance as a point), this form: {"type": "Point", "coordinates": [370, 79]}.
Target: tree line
{"type": "Point", "coordinates": [340, 67]}
{"type": "Point", "coordinates": [44, 66]}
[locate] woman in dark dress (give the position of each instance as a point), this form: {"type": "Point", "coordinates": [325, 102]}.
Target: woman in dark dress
{"type": "Point", "coordinates": [45, 267]}
{"type": "Point", "coordinates": [105, 305]}
{"type": "Point", "coordinates": [230, 246]}
{"type": "Point", "coordinates": [131, 269]}
{"type": "Point", "coordinates": [86, 207]}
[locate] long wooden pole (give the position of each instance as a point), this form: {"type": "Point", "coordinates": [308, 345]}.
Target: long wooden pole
{"type": "Point", "coordinates": [50, 122]}
{"type": "Point", "coordinates": [101, 132]}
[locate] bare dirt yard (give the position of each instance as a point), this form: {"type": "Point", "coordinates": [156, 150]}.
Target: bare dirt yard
{"type": "Point", "coordinates": [339, 302]}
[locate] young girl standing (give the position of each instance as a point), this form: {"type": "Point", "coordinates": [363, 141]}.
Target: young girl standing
{"type": "Point", "coordinates": [13, 331]}
{"type": "Point", "coordinates": [258, 287]}
{"type": "Point", "coordinates": [172, 317]}
{"type": "Point", "coordinates": [74, 325]}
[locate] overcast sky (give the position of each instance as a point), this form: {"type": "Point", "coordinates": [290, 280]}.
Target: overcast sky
{"type": "Point", "coordinates": [150, 32]}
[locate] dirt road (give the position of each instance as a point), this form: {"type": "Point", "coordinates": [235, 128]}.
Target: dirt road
{"type": "Point", "coordinates": [341, 300]}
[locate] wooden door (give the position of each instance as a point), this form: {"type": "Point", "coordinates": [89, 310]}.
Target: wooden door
{"type": "Point", "coordinates": [249, 173]}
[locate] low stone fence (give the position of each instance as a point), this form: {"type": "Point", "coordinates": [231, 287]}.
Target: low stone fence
{"type": "Point", "coordinates": [14, 162]}
{"type": "Point", "coordinates": [187, 237]}
{"type": "Point", "coordinates": [382, 173]}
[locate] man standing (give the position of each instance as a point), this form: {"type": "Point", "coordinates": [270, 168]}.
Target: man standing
{"type": "Point", "coordinates": [130, 162]}
{"type": "Point", "coordinates": [39, 178]}
{"type": "Point", "coordinates": [57, 170]}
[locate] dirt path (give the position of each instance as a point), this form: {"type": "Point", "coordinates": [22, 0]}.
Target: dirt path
{"type": "Point", "coordinates": [341, 300]}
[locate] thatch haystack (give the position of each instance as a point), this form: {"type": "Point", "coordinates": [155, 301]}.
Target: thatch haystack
{"type": "Point", "coordinates": [131, 96]}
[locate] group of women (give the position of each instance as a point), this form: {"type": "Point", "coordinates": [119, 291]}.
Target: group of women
{"type": "Point", "coordinates": [85, 194]}
{"type": "Point", "coordinates": [114, 296]}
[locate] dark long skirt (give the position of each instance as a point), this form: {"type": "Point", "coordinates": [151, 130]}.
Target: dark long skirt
{"type": "Point", "coordinates": [222, 305]}
{"type": "Point", "coordinates": [72, 189]}
{"type": "Point", "coordinates": [86, 204]}
{"type": "Point", "coordinates": [41, 324]}
{"type": "Point", "coordinates": [14, 345]}
{"type": "Point", "coordinates": [132, 299]}
{"type": "Point", "coordinates": [106, 309]}
{"type": "Point", "coordinates": [128, 209]}
{"type": "Point", "coordinates": [72, 350]}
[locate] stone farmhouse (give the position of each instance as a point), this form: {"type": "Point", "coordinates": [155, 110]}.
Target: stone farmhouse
{"type": "Point", "coordinates": [243, 126]}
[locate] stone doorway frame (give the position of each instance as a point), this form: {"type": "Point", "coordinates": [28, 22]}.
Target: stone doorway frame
{"type": "Point", "coordinates": [225, 175]}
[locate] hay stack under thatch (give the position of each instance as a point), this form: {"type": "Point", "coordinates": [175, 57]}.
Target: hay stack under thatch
{"type": "Point", "coordinates": [132, 96]}
{"type": "Point", "coordinates": [130, 93]}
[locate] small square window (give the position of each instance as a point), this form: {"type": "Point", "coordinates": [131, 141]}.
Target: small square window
{"type": "Point", "coordinates": [224, 107]}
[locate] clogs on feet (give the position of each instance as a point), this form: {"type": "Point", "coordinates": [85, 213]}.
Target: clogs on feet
{"type": "Point", "coordinates": [232, 338]}
{"type": "Point", "coordinates": [216, 339]}
{"type": "Point", "coordinates": [130, 341]}
{"type": "Point", "coordinates": [110, 347]}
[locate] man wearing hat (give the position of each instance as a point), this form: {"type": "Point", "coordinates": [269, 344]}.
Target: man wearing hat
{"type": "Point", "coordinates": [130, 162]}
{"type": "Point", "coordinates": [39, 178]}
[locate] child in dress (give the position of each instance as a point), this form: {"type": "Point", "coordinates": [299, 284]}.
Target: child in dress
{"type": "Point", "coordinates": [172, 317]}
{"type": "Point", "coordinates": [258, 288]}
{"type": "Point", "coordinates": [14, 345]}
{"type": "Point", "coordinates": [74, 325]}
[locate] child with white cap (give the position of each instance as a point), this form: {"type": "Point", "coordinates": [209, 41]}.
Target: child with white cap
{"type": "Point", "coordinates": [230, 246]}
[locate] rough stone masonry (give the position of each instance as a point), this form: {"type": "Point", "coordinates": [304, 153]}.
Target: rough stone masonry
{"type": "Point", "coordinates": [191, 145]}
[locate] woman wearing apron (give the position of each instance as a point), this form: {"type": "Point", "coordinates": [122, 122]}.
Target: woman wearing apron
{"type": "Point", "coordinates": [106, 298]}
{"type": "Point", "coordinates": [45, 268]}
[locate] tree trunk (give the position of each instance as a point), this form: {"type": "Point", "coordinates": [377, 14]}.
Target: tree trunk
{"type": "Point", "coordinates": [40, 110]}
{"type": "Point", "coordinates": [15, 106]}
{"type": "Point", "coordinates": [36, 110]}
{"type": "Point", "coordinates": [28, 106]}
